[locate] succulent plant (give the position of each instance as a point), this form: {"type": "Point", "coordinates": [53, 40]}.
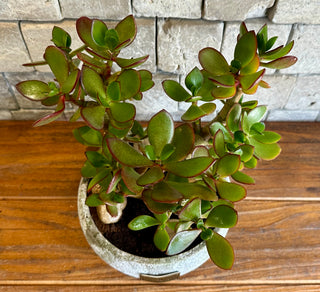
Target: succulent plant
{"type": "Point", "coordinates": [188, 175]}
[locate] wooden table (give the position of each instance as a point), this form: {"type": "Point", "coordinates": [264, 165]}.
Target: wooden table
{"type": "Point", "coordinates": [276, 241]}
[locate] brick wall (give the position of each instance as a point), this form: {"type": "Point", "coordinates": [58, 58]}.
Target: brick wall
{"type": "Point", "coordinates": [171, 32]}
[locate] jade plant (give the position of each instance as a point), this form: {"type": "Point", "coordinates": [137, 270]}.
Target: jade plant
{"type": "Point", "coordinates": [188, 175]}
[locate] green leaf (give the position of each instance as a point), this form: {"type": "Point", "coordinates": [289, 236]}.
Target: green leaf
{"type": "Point", "coordinates": [160, 131]}
{"type": "Point", "coordinates": [112, 39]}
{"type": "Point", "coordinates": [58, 63]}
{"type": "Point", "coordinates": [146, 80]}
{"type": "Point", "coordinates": [242, 178]}
{"type": "Point", "coordinates": [103, 178]}
{"type": "Point", "coordinates": [182, 240]}
{"type": "Point", "coordinates": [281, 63]}
{"type": "Point", "coordinates": [129, 177]}
{"type": "Point", "coordinates": [256, 115]}
{"type": "Point", "coordinates": [191, 211]}
{"type": "Point", "coordinates": [223, 92]}
{"type": "Point", "coordinates": [233, 117]}
{"type": "Point", "coordinates": [189, 168]}
{"type": "Point", "coordinates": [142, 222]}
{"type": "Point", "coordinates": [122, 112]}
{"type": "Point", "coordinates": [193, 113]}
{"type": "Point", "coordinates": [93, 84]}
{"type": "Point", "coordinates": [222, 216]}
{"type": "Point", "coordinates": [83, 26]}
{"type": "Point", "coordinates": [93, 62]}
{"type": "Point", "coordinates": [194, 80]}
{"type": "Point", "coordinates": [113, 91]}
{"type": "Point", "coordinates": [149, 149]}
{"type": "Point", "coordinates": [252, 67]}
{"type": "Point", "coordinates": [164, 193]}
{"type": "Point", "coordinates": [127, 155]}
{"type": "Point", "coordinates": [94, 201]}
{"type": "Point", "coordinates": [262, 38]}
{"type": "Point", "coordinates": [175, 91]}
{"type": "Point", "coordinates": [216, 126]}
{"type": "Point", "coordinates": [230, 191]}
{"type": "Point", "coordinates": [213, 61]}
{"type": "Point", "coordinates": [246, 152]}
{"type": "Point", "coordinates": [270, 43]}
{"type": "Point", "coordinates": [265, 151]}
{"type": "Point", "coordinates": [94, 116]}
{"type": "Point", "coordinates": [182, 141]}
{"type": "Point", "coordinates": [96, 159]}
{"type": "Point", "coordinates": [166, 152]}
{"type": "Point", "coordinates": [194, 190]}
{"type": "Point", "coordinates": [267, 137]}
{"type": "Point", "coordinates": [71, 82]}
{"type": "Point", "coordinates": [252, 163]}
{"type": "Point", "coordinates": [219, 144]}
{"type": "Point", "coordinates": [130, 63]}
{"type": "Point", "coordinates": [151, 176]}
{"type": "Point", "coordinates": [161, 238]}
{"type": "Point", "coordinates": [220, 251]}
{"type": "Point", "coordinates": [129, 83]}
{"type": "Point", "coordinates": [126, 30]}
{"type": "Point", "coordinates": [33, 89]}
{"type": "Point", "coordinates": [60, 37]}
{"type": "Point", "coordinates": [98, 32]}
{"type": "Point", "coordinates": [243, 29]}
{"type": "Point", "coordinates": [227, 80]}
{"type": "Point", "coordinates": [249, 81]}
{"type": "Point", "coordinates": [156, 207]}
{"type": "Point", "coordinates": [257, 128]}
{"type": "Point", "coordinates": [88, 170]}
{"type": "Point", "coordinates": [246, 48]}
{"type": "Point", "coordinates": [228, 164]}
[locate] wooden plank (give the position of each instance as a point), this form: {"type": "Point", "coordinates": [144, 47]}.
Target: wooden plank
{"type": "Point", "coordinates": [272, 241]}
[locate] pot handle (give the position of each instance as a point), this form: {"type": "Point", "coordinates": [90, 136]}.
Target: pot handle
{"type": "Point", "coordinates": [160, 278]}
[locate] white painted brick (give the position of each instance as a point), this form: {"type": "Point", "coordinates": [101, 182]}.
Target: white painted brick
{"type": "Point", "coordinates": [277, 96]}
{"type": "Point", "coordinates": [30, 10]}
{"type": "Point", "coordinates": [13, 51]}
{"type": "Point", "coordinates": [306, 48]}
{"type": "Point", "coordinates": [234, 10]}
{"type": "Point", "coordinates": [293, 115]}
{"type": "Point", "coordinates": [168, 8]}
{"type": "Point", "coordinates": [5, 115]}
{"type": "Point", "coordinates": [38, 36]}
{"type": "Point", "coordinates": [155, 100]}
{"type": "Point", "coordinates": [144, 44]}
{"type": "Point", "coordinates": [14, 78]}
{"type": "Point", "coordinates": [106, 9]}
{"type": "Point", "coordinates": [305, 94]}
{"type": "Point", "coordinates": [7, 101]}
{"type": "Point", "coordinates": [295, 11]}
{"type": "Point", "coordinates": [232, 30]}
{"type": "Point", "coordinates": [179, 42]}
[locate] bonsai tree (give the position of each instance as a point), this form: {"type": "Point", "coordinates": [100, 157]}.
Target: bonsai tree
{"type": "Point", "coordinates": [190, 175]}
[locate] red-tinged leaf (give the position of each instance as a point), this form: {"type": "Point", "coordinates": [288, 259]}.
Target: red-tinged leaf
{"type": "Point", "coordinates": [156, 207]}
{"type": "Point", "coordinates": [131, 63]}
{"type": "Point", "coordinates": [213, 62]}
{"type": "Point", "coordinates": [242, 178]}
{"type": "Point", "coordinates": [249, 81]}
{"type": "Point", "coordinates": [84, 25]}
{"type": "Point", "coordinates": [57, 62]}
{"type": "Point", "coordinates": [129, 177]}
{"type": "Point", "coordinates": [189, 168]}
{"type": "Point", "coordinates": [54, 116]}
{"type": "Point", "coordinates": [281, 63]}
{"type": "Point", "coordinates": [175, 91]}
{"type": "Point", "coordinates": [222, 216]}
{"type": "Point", "coordinates": [246, 48]}
{"type": "Point", "coordinates": [251, 91]}
{"type": "Point", "coordinates": [200, 151]}
{"type": "Point", "coordinates": [219, 143]}
{"type": "Point", "coordinates": [114, 181]}
{"type": "Point", "coordinates": [39, 63]}
{"type": "Point", "coordinates": [252, 67]}
{"type": "Point", "coordinates": [193, 113]}
{"type": "Point", "coordinates": [127, 155]}
{"type": "Point", "coordinates": [33, 89]}
{"type": "Point", "coordinates": [264, 84]}
{"type": "Point", "coordinates": [162, 192]}
{"type": "Point", "coordinates": [220, 251]}
{"type": "Point", "coordinates": [98, 32]}
{"type": "Point", "coordinates": [127, 31]}
{"type": "Point", "coordinates": [194, 190]}
{"type": "Point", "coordinates": [122, 112]}
{"type": "Point", "coordinates": [243, 29]}
{"type": "Point", "coordinates": [92, 62]}
{"type": "Point", "coordinates": [183, 140]}
{"type": "Point", "coordinates": [160, 131]}
{"type": "Point", "coordinates": [103, 177]}
{"type": "Point", "coordinates": [151, 176]}
{"type": "Point", "coordinates": [227, 80]}
{"type": "Point", "coordinates": [278, 52]}
{"type": "Point", "coordinates": [191, 211]}
{"type": "Point", "coordinates": [223, 93]}
{"type": "Point", "coordinates": [100, 55]}
{"type": "Point", "coordinates": [71, 82]}
{"type": "Point", "coordinates": [182, 240]}
{"type": "Point", "coordinates": [130, 83]}
{"type": "Point", "coordinates": [228, 164]}
{"type": "Point", "coordinates": [94, 116]}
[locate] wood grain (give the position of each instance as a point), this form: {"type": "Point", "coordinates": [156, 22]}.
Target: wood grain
{"type": "Point", "coordinates": [42, 247]}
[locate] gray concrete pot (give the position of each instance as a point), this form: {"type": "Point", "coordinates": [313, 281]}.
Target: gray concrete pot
{"type": "Point", "coordinates": [152, 269]}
